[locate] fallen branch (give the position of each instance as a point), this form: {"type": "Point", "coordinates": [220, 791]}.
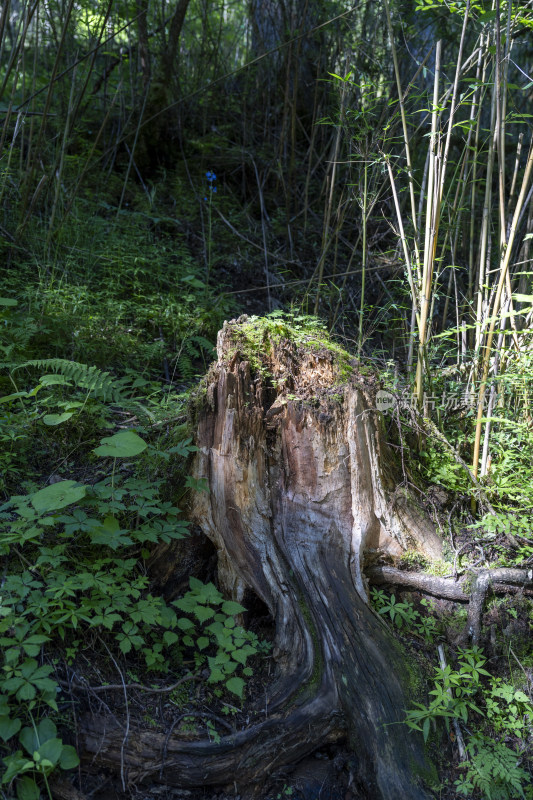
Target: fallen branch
{"type": "Point", "coordinates": [121, 686]}
{"type": "Point", "coordinates": [502, 580]}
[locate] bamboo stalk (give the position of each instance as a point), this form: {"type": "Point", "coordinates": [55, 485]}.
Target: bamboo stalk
{"type": "Point", "coordinates": [496, 306]}
{"type": "Point", "coordinates": [427, 273]}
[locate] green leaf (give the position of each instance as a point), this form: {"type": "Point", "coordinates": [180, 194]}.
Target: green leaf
{"type": "Point", "coordinates": [202, 642]}
{"type": "Point", "coordinates": [27, 789]}
{"type": "Point", "coordinates": [236, 686]}
{"type": "Point", "coordinates": [8, 302]}
{"type": "Point", "coordinates": [26, 692]}
{"type": "Point", "coordinates": [122, 445]}
{"type": "Point", "coordinates": [57, 496]}
{"type": "Point", "coordinates": [69, 758]}
{"type": "Point", "coordinates": [425, 729]}
{"type": "Point", "coordinates": [9, 727]}
{"type": "Point", "coordinates": [203, 613]}
{"type": "Point", "coordinates": [230, 607]}
{"type": "Point", "coordinates": [51, 750]}
{"type": "Point", "coordinates": [54, 380]}
{"type": "Point", "coordinates": [216, 675]}
{"type": "Point", "coordinates": [57, 419]}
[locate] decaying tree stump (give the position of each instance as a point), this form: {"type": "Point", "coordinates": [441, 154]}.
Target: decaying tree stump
{"type": "Point", "coordinates": [302, 488]}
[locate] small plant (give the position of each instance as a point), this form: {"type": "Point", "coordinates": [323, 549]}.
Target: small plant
{"type": "Point", "coordinates": [211, 628]}
{"type": "Point", "coordinates": [493, 769]}
{"type": "Point", "coordinates": [404, 614]}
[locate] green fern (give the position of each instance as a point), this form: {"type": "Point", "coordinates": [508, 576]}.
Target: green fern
{"type": "Point", "coordinates": [99, 383]}
{"type": "Point", "coordinates": [494, 770]}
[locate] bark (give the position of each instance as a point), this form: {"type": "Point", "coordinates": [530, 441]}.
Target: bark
{"type": "Point", "coordinates": [300, 491]}
{"type": "Point", "coordinates": [302, 488]}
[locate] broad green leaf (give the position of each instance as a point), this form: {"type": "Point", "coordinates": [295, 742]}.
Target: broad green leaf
{"type": "Point", "coordinates": [230, 607]}
{"type": "Point", "coordinates": [51, 750]}
{"type": "Point", "coordinates": [28, 739]}
{"type": "Point", "coordinates": [69, 758]}
{"type": "Point", "coordinates": [202, 642]}
{"type": "Point", "coordinates": [7, 398]}
{"type": "Point", "coordinates": [122, 445]}
{"type": "Point", "coordinates": [26, 692]}
{"type": "Point", "coordinates": [57, 419]}
{"type": "Point", "coordinates": [8, 302]}
{"type": "Point", "coordinates": [57, 496]}
{"type": "Point", "coordinates": [235, 685]}
{"type": "Point", "coordinates": [125, 645]}
{"type": "Point", "coordinates": [203, 613]}
{"type": "Point", "coordinates": [27, 789]}
{"type": "Point", "coordinates": [9, 727]}
{"type": "Point", "coordinates": [46, 730]}
{"type": "Point", "coordinates": [216, 675]}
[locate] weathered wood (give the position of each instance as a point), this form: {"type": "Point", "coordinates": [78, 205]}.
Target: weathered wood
{"type": "Point", "coordinates": [301, 490]}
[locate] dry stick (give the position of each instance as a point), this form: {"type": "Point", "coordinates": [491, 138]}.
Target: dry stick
{"type": "Point", "coordinates": [130, 162]}
{"type": "Point", "coordinates": [457, 210]}
{"type": "Point", "coordinates": [363, 262]}
{"type": "Point", "coordinates": [500, 129]}
{"type": "Point", "coordinates": [458, 735]}
{"type": "Point", "coordinates": [9, 113]}
{"type": "Point", "coordinates": [3, 18]}
{"type": "Point", "coordinates": [127, 731]}
{"type": "Point", "coordinates": [429, 235]}
{"type": "Point", "coordinates": [314, 128]}
{"type": "Point", "coordinates": [434, 210]}
{"type": "Point", "coordinates": [29, 152]}
{"type": "Point", "coordinates": [89, 157]}
{"type": "Point", "coordinates": [345, 278]}
{"type": "Point", "coordinates": [325, 241]}
{"type": "Point", "coordinates": [120, 686]}
{"type": "Point", "coordinates": [26, 213]}
{"type": "Point", "coordinates": [484, 580]}
{"type": "Point", "coordinates": [263, 229]}
{"type": "Point", "coordinates": [492, 396]}
{"type": "Point", "coordinates": [496, 307]}
{"type": "Point", "coordinates": [59, 172]}
{"type": "Point", "coordinates": [485, 227]}
{"type": "Point", "coordinates": [404, 128]}
{"type": "Point", "coordinates": [478, 98]}
{"type": "Point", "coordinates": [515, 171]}
{"type": "Point", "coordinates": [16, 50]}
{"type": "Point", "coordinates": [414, 295]}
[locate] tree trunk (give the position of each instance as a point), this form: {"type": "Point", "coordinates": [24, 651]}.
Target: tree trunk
{"type": "Point", "coordinates": [301, 490]}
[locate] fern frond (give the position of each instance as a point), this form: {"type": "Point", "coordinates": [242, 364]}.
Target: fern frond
{"type": "Point", "coordinates": [96, 382]}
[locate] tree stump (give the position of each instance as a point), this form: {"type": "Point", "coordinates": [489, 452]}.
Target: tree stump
{"type": "Point", "coordinates": [302, 489]}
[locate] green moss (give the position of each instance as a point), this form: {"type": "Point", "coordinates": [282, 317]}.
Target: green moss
{"type": "Point", "coordinates": [256, 335]}
{"type": "Point", "coordinates": [314, 679]}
